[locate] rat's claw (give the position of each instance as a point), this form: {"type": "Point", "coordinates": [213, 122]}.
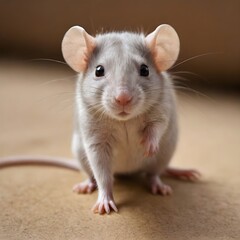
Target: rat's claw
{"type": "Point", "coordinates": [87, 186]}
{"type": "Point", "coordinates": [104, 206]}
{"type": "Point", "coordinates": [107, 208]}
{"type": "Point", "coordinates": [112, 204]}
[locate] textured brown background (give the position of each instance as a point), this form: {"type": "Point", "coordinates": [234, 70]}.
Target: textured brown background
{"type": "Point", "coordinates": [35, 28]}
{"type": "Point", "coordinates": [37, 203]}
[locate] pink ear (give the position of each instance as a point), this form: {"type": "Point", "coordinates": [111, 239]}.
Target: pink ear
{"type": "Point", "coordinates": [164, 45]}
{"type": "Point", "coordinates": [77, 46]}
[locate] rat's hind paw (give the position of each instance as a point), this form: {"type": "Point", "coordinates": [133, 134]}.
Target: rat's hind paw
{"type": "Point", "coordinates": [87, 186]}
{"type": "Point", "coordinates": [185, 174]}
{"type": "Point", "coordinates": [104, 205]}
{"type": "Point", "coordinates": [158, 187]}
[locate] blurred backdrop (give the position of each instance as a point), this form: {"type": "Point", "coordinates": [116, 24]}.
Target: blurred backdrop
{"type": "Point", "coordinates": [34, 29]}
{"type": "Point", "coordinates": [36, 118]}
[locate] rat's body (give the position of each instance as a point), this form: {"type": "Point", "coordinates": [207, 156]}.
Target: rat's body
{"type": "Point", "coordinates": [124, 137]}
{"type": "Point", "coordinates": [126, 119]}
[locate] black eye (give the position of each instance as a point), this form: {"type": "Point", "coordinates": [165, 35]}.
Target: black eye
{"type": "Point", "coordinates": [144, 71]}
{"type": "Point", "coordinates": [99, 71]}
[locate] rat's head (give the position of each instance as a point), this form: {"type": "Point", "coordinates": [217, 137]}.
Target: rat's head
{"type": "Point", "coordinates": [121, 71]}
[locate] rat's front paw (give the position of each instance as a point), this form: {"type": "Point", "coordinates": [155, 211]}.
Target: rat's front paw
{"type": "Point", "coordinates": [150, 140]}
{"type": "Point", "coordinates": [104, 205]}
{"type": "Point", "coordinates": [151, 146]}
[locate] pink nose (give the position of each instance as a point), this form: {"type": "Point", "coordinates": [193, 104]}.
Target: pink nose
{"type": "Point", "coordinates": [123, 98]}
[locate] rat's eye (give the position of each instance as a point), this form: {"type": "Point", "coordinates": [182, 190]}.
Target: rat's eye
{"type": "Point", "coordinates": [99, 72]}
{"type": "Point", "coordinates": [144, 71]}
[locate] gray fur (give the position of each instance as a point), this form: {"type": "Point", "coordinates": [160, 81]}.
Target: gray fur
{"type": "Point", "coordinates": [106, 143]}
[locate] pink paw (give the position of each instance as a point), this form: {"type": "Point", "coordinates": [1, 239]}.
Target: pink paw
{"type": "Point", "coordinates": [187, 174]}
{"type": "Point", "coordinates": [104, 205]}
{"type": "Point", "coordinates": [158, 187]}
{"type": "Point", "coordinates": [87, 186]}
{"type": "Point", "coordinates": [151, 146]}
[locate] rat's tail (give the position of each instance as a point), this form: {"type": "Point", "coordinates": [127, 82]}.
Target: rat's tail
{"type": "Point", "coordinates": [39, 160]}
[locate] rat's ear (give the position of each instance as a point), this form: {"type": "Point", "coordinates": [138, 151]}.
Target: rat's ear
{"type": "Point", "coordinates": [77, 46]}
{"type": "Point", "coordinates": [164, 45]}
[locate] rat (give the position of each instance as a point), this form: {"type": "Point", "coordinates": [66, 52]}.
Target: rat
{"type": "Point", "coordinates": [126, 116]}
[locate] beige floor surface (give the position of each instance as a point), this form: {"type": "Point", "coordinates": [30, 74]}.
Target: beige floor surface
{"type": "Point", "coordinates": [36, 202]}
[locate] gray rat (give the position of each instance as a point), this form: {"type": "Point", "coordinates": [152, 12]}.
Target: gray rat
{"type": "Point", "coordinates": [126, 119]}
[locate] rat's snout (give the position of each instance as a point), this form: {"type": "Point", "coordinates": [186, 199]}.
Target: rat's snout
{"type": "Point", "coordinates": [123, 97]}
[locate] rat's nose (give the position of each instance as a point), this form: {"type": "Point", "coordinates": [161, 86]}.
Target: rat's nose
{"type": "Point", "coordinates": [123, 98]}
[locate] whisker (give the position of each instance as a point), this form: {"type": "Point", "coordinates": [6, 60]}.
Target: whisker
{"type": "Point", "coordinates": [47, 98]}
{"type": "Point", "coordinates": [189, 73]}
{"type": "Point", "coordinates": [97, 88]}
{"type": "Point", "coordinates": [47, 59]}
{"type": "Point", "coordinates": [179, 78]}
{"type": "Point", "coordinates": [193, 91]}
{"type": "Point", "coordinates": [178, 88]}
{"type": "Point", "coordinates": [56, 80]}
{"type": "Point", "coordinates": [174, 78]}
{"type": "Point", "coordinates": [97, 109]}
{"type": "Point", "coordinates": [60, 108]}
{"type": "Point", "coordinates": [194, 57]}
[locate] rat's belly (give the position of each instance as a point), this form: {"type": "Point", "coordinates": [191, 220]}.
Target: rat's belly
{"type": "Point", "coordinates": [128, 161]}
{"type": "Point", "coordinates": [128, 153]}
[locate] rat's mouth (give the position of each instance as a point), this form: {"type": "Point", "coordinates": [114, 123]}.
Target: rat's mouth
{"type": "Point", "coordinates": [123, 114]}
